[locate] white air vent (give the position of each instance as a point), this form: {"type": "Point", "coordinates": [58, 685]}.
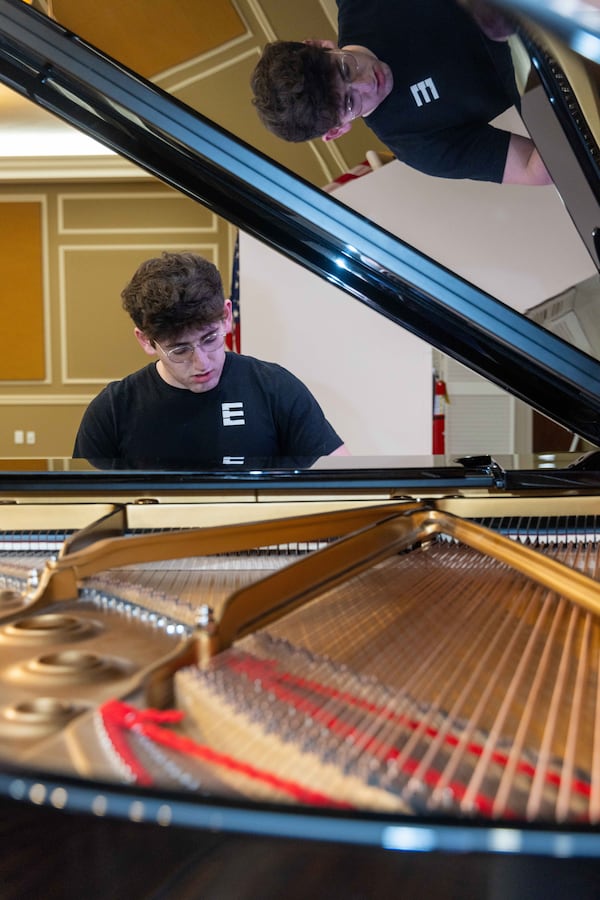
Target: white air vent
{"type": "Point", "coordinates": [479, 423]}
{"type": "Point", "coordinates": [480, 417]}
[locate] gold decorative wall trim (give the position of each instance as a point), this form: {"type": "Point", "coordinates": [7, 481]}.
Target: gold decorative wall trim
{"type": "Point", "coordinates": [328, 174]}
{"type": "Point", "coordinates": [329, 8]}
{"type": "Point", "coordinates": [336, 155]}
{"type": "Point", "coordinates": [128, 195]}
{"type": "Point", "coordinates": [213, 70]}
{"type": "Point", "coordinates": [232, 232]}
{"type": "Point", "coordinates": [261, 18]}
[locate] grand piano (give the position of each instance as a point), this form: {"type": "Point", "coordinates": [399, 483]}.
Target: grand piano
{"type": "Point", "coordinates": [362, 677]}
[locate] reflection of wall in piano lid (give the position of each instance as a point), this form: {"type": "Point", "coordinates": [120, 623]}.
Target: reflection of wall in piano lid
{"type": "Point", "coordinates": [374, 379]}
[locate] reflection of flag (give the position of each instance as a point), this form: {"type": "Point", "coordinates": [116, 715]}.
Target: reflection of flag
{"type": "Point", "coordinates": [375, 160]}
{"type": "Point", "coordinates": [234, 340]}
{"type": "Point", "coordinates": [363, 169]}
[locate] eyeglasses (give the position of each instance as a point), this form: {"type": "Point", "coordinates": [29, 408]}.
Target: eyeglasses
{"type": "Point", "coordinates": [210, 342]}
{"type": "Point", "coordinates": [348, 69]}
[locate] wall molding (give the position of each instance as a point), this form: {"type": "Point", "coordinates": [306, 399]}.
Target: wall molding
{"type": "Point", "coordinates": [214, 70]}
{"type": "Point", "coordinates": [63, 199]}
{"type": "Point", "coordinates": [45, 399]}
{"type": "Point", "coordinates": [69, 168]}
{"type": "Point", "coordinates": [262, 20]}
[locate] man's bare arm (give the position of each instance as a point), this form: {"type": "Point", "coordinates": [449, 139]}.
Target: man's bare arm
{"type": "Point", "coordinates": [524, 164]}
{"type": "Point", "coordinates": [342, 450]}
{"type": "Point", "coordinates": [492, 22]}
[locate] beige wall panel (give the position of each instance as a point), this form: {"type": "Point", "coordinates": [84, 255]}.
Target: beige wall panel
{"type": "Point", "coordinates": [121, 212]}
{"type": "Point", "coordinates": [54, 426]}
{"type": "Point", "coordinates": [298, 21]}
{"type": "Point", "coordinates": [22, 292]}
{"type": "Point", "coordinates": [99, 341]}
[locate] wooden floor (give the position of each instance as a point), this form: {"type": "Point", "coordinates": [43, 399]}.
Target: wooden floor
{"type": "Point", "coordinates": [58, 856]}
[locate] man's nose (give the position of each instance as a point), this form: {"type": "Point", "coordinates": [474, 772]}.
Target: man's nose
{"type": "Point", "coordinates": [363, 81]}
{"type": "Point", "coordinates": [200, 351]}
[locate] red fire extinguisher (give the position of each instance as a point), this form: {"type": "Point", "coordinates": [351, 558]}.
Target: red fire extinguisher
{"type": "Point", "coordinates": [440, 398]}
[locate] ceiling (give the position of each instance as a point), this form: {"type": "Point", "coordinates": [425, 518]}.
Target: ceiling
{"type": "Point", "coordinates": [25, 127]}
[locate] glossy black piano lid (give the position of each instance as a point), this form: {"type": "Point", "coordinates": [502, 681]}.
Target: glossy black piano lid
{"type": "Point", "coordinates": [576, 22]}
{"type": "Point", "coordinates": [66, 76]}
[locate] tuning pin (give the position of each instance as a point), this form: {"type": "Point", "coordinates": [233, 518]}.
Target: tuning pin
{"type": "Point", "coordinates": [33, 578]}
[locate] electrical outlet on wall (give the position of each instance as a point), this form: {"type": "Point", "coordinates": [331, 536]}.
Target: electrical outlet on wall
{"type": "Point", "coordinates": [30, 437]}
{"type": "Point", "coordinates": [19, 437]}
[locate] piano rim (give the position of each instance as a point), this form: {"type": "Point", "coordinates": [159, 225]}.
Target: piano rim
{"type": "Point", "coordinates": [414, 833]}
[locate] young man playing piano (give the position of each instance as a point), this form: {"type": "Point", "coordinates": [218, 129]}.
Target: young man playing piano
{"type": "Point", "coordinates": [197, 402]}
{"type": "Point", "coordinates": [427, 77]}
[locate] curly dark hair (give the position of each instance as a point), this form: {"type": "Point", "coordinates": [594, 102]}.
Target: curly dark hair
{"type": "Point", "coordinates": [172, 293]}
{"type": "Point", "coordinates": [294, 89]}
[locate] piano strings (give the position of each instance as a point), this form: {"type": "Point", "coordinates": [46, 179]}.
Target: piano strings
{"type": "Point", "coordinates": [432, 677]}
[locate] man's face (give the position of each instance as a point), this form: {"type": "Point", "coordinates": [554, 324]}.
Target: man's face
{"type": "Point", "coordinates": [194, 360]}
{"type": "Point", "coordinates": [364, 81]}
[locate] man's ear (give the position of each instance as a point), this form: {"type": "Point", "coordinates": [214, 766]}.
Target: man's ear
{"type": "Point", "coordinates": [326, 45]}
{"type": "Point", "coordinates": [336, 132]}
{"type": "Point", "coordinates": [228, 315]}
{"type": "Point", "coordinates": [144, 342]}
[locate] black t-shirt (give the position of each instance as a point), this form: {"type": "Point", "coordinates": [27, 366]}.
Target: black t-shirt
{"type": "Point", "coordinates": [257, 410]}
{"type": "Point", "coordinates": [450, 81]}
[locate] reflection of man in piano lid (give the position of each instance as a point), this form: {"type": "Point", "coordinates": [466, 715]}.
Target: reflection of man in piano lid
{"type": "Point", "coordinates": [423, 76]}
{"type": "Point", "coordinates": [198, 401]}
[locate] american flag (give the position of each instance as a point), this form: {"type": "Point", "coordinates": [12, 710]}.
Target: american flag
{"type": "Point", "coordinates": [234, 340]}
